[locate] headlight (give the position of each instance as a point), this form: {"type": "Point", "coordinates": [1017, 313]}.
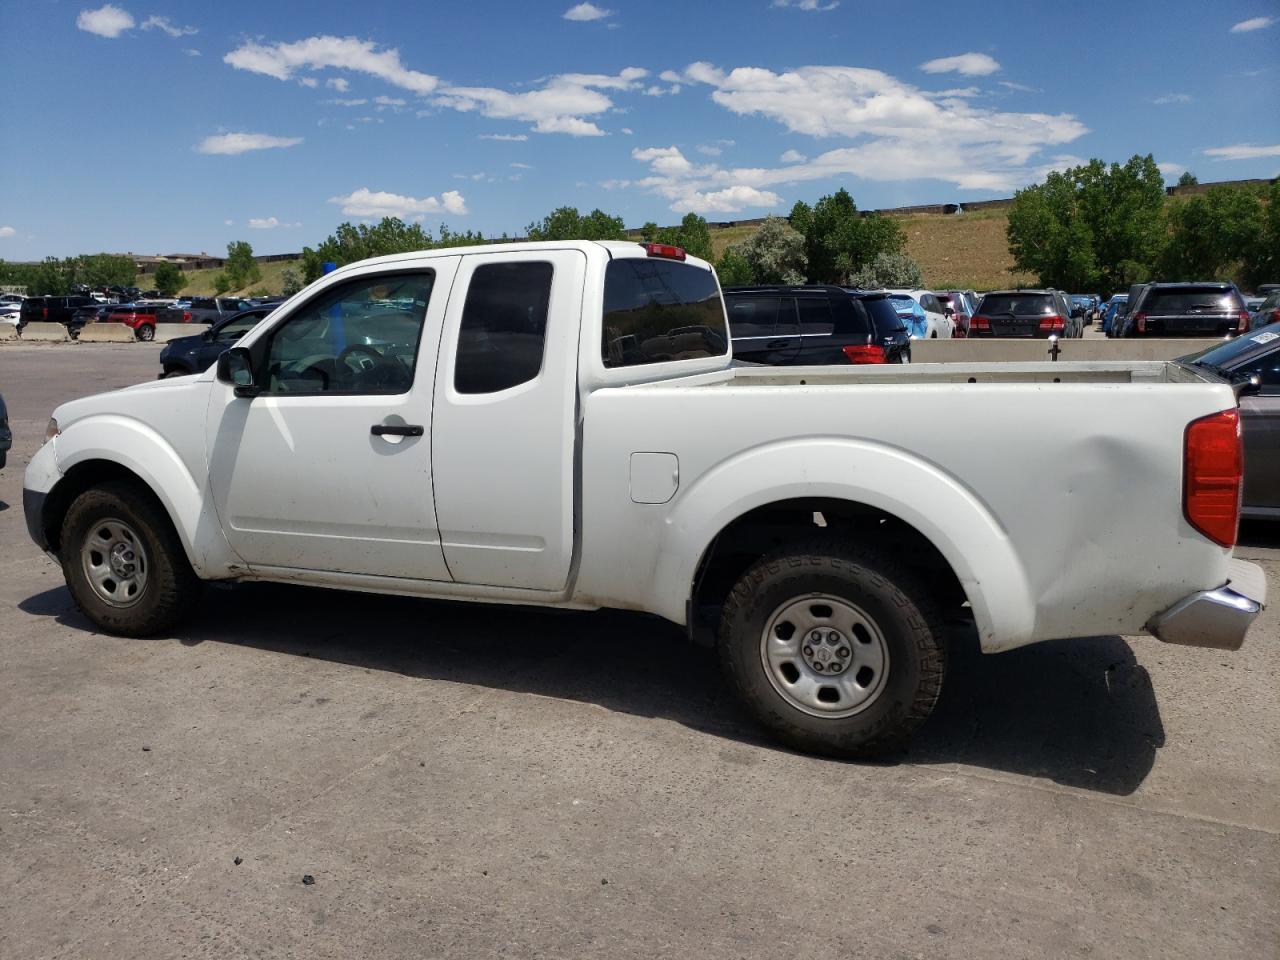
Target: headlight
{"type": "Point", "coordinates": [51, 430]}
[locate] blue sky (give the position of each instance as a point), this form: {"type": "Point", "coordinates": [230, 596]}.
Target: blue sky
{"type": "Point", "coordinates": [163, 126]}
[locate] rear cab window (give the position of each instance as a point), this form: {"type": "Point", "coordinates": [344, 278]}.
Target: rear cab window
{"type": "Point", "coordinates": [657, 311]}
{"type": "Point", "coordinates": [1018, 304]}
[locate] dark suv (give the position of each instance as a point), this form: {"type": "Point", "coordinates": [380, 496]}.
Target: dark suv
{"type": "Point", "coordinates": [213, 309]}
{"type": "Point", "coordinates": [53, 309]}
{"type": "Point", "coordinates": [794, 326]}
{"type": "Point", "coordinates": [196, 354]}
{"type": "Point", "coordinates": [1026, 313]}
{"type": "Point", "coordinates": [1187, 310]}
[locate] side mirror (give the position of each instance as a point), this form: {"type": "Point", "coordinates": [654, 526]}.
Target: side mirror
{"type": "Point", "coordinates": [949, 312]}
{"type": "Point", "coordinates": [235, 367]}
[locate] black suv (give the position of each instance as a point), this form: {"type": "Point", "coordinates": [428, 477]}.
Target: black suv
{"type": "Point", "coordinates": [53, 309]}
{"type": "Point", "coordinates": [1026, 313]}
{"type": "Point", "coordinates": [795, 326]}
{"type": "Point", "coordinates": [196, 354]}
{"type": "Point", "coordinates": [1187, 310]}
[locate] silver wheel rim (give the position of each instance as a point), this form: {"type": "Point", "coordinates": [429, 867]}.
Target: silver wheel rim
{"type": "Point", "coordinates": [825, 656]}
{"type": "Point", "coordinates": [115, 563]}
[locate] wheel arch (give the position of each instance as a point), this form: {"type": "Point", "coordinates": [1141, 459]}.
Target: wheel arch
{"type": "Point", "coordinates": [886, 495]}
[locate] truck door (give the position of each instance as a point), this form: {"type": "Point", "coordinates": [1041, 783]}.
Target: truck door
{"type": "Point", "coordinates": [329, 466]}
{"type": "Point", "coordinates": [505, 422]}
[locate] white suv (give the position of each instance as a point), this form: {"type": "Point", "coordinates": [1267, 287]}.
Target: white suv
{"type": "Point", "coordinates": [941, 322]}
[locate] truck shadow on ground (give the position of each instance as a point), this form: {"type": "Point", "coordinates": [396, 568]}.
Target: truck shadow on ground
{"type": "Point", "coordinates": [1081, 713]}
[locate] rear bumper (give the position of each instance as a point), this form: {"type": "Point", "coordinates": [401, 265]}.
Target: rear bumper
{"type": "Point", "coordinates": [1215, 618]}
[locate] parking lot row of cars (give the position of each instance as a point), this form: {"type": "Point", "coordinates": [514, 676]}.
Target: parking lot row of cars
{"type": "Point", "coordinates": [76, 310]}
{"type": "Point", "coordinates": [1189, 309]}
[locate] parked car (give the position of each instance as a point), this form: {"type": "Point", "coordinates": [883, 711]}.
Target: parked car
{"type": "Point", "coordinates": [1188, 310]}
{"type": "Point", "coordinates": [1084, 304]}
{"type": "Point", "coordinates": [11, 298]}
{"type": "Point", "coordinates": [11, 314]}
{"type": "Point", "coordinates": [1114, 309]}
{"type": "Point", "coordinates": [213, 309]}
{"type": "Point", "coordinates": [939, 324]}
{"type": "Point", "coordinates": [91, 313]}
{"type": "Point", "coordinates": [803, 325]}
{"type": "Point", "coordinates": [186, 355]}
{"type": "Point", "coordinates": [143, 317]}
{"type": "Point", "coordinates": [562, 424]}
{"type": "Point", "coordinates": [1026, 313]}
{"type": "Point", "coordinates": [1254, 359]}
{"type": "Point", "coordinates": [51, 309]}
{"type": "Point", "coordinates": [6, 435]}
{"type": "Point", "coordinates": [1268, 311]}
{"type": "Point", "coordinates": [962, 304]}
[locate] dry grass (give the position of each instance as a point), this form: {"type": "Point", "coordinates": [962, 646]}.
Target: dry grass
{"type": "Point", "coordinates": [200, 282]}
{"type": "Point", "coordinates": [965, 251]}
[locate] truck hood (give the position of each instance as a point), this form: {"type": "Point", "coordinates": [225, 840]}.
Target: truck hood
{"type": "Point", "coordinates": [176, 393]}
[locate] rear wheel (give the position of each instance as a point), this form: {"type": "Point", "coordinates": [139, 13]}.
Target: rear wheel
{"type": "Point", "coordinates": [123, 562]}
{"type": "Point", "coordinates": [835, 648]}
{"type": "Point", "coordinates": [146, 332]}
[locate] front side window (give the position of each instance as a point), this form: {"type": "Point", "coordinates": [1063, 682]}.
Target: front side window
{"type": "Point", "coordinates": [235, 329]}
{"type": "Point", "coordinates": [358, 337]}
{"type": "Point", "coordinates": [504, 326]}
{"type": "Point", "coordinates": [657, 311]}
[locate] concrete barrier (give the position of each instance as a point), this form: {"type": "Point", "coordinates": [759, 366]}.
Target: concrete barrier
{"type": "Point", "coordinates": [993, 349]}
{"type": "Point", "coordinates": [172, 331]}
{"type": "Point", "coordinates": [8, 331]}
{"type": "Point", "coordinates": [45, 331]}
{"type": "Point", "coordinates": [106, 333]}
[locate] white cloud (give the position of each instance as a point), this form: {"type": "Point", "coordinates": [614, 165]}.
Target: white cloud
{"type": "Point", "coordinates": [666, 161]}
{"type": "Point", "coordinates": [191, 51]}
{"type": "Point", "coordinates": [1243, 151]}
{"type": "Point", "coordinates": [689, 187]}
{"type": "Point", "coordinates": [968, 64]}
{"type": "Point", "coordinates": [389, 101]}
{"type": "Point", "coordinates": [283, 60]}
{"type": "Point", "coordinates": [657, 90]}
{"type": "Point", "coordinates": [520, 166]}
{"type": "Point", "coordinates": [368, 203]}
{"type": "Point", "coordinates": [709, 150]}
{"type": "Point", "coordinates": [162, 23]}
{"type": "Point", "coordinates": [233, 143]}
{"type": "Point", "coordinates": [347, 102]}
{"type": "Point", "coordinates": [341, 84]}
{"type": "Point", "coordinates": [810, 5]}
{"type": "Point", "coordinates": [309, 82]}
{"type": "Point", "coordinates": [106, 21]}
{"type": "Point", "coordinates": [793, 156]}
{"type": "Point", "coordinates": [505, 137]}
{"type": "Point", "coordinates": [585, 12]}
{"type": "Point", "coordinates": [559, 106]}
{"type": "Point", "coordinates": [1169, 98]}
{"type": "Point", "coordinates": [1019, 87]}
{"type": "Point", "coordinates": [227, 223]}
{"type": "Point", "coordinates": [626, 131]}
{"type": "Point", "coordinates": [1171, 169]}
{"type": "Point", "coordinates": [259, 223]}
{"type": "Point", "coordinates": [7, 231]}
{"type": "Point", "coordinates": [1254, 23]}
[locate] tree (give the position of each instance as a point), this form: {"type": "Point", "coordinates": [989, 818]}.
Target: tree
{"type": "Point", "coordinates": [734, 270]}
{"type": "Point", "coordinates": [1091, 226]}
{"type": "Point", "coordinates": [775, 253]}
{"type": "Point", "coordinates": [51, 277]}
{"type": "Point", "coordinates": [888, 270]}
{"type": "Point", "coordinates": [169, 279]}
{"type": "Point", "coordinates": [241, 269]}
{"type": "Point", "coordinates": [692, 235]}
{"type": "Point", "coordinates": [390, 235]}
{"type": "Point", "coordinates": [565, 223]}
{"type": "Point", "coordinates": [106, 270]}
{"type": "Point", "coordinates": [221, 282]}
{"type": "Point", "coordinates": [1262, 264]}
{"type": "Point", "coordinates": [1188, 179]}
{"type": "Point", "coordinates": [838, 240]}
{"type": "Point", "coordinates": [1216, 235]}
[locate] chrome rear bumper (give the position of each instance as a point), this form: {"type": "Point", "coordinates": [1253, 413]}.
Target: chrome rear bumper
{"type": "Point", "coordinates": [1215, 618]}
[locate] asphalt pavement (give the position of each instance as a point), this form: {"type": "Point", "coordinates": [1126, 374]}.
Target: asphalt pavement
{"type": "Point", "coordinates": [307, 773]}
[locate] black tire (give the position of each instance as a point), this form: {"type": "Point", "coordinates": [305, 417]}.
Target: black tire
{"type": "Point", "coordinates": [171, 586]}
{"type": "Point", "coordinates": [905, 616]}
{"type": "Point", "coordinates": [145, 332]}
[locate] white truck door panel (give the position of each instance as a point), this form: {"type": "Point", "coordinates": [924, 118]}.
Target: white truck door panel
{"type": "Point", "coordinates": [504, 427]}
{"type": "Point", "coordinates": [299, 477]}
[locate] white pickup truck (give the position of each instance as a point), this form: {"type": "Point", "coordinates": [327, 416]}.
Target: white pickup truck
{"type": "Point", "coordinates": [561, 424]}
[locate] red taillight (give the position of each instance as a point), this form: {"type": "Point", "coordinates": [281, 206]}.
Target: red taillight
{"type": "Point", "coordinates": [865, 353]}
{"type": "Point", "coordinates": [1243, 325]}
{"type": "Point", "coordinates": [45, 314]}
{"type": "Point", "coordinates": [665, 250]}
{"type": "Point", "coordinates": [979, 322]}
{"type": "Point", "coordinates": [1140, 322]}
{"type": "Point", "coordinates": [1213, 467]}
{"type": "Point", "coordinates": [1275, 315]}
{"type": "Point", "coordinates": [186, 316]}
{"type": "Point", "coordinates": [1052, 324]}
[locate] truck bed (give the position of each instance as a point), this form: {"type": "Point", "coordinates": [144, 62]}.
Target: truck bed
{"type": "Point", "coordinates": [1131, 372]}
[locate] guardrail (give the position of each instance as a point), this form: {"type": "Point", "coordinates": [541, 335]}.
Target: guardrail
{"type": "Point", "coordinates": [107, 333]}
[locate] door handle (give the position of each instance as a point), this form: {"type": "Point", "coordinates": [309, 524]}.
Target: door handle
{"type": "Point", "coordinates": [394, 430]}
{"type": "Point", "coordinates": [777, 344]}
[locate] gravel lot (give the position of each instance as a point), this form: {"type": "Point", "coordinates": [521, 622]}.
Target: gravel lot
{"type": "Point", "coordinates": [470, 781]}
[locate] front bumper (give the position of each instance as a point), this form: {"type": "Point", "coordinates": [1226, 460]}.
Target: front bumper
{"type": "Point", "coordinates": [1215, 618]}
{"type": "Point", "coordinates": [33, 509]}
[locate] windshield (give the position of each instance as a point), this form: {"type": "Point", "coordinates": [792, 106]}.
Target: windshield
{"type": "Point", "coordinates": [1227, 354]}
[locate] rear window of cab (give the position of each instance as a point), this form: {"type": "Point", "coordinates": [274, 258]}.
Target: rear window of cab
{"type": "Point", "coordinates": [656, 311]}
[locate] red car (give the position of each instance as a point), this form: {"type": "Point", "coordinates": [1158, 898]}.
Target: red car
{"type": "Point", "coordinates": [960, 302]}
{"type": "Point", "coordinates": [143, 317]}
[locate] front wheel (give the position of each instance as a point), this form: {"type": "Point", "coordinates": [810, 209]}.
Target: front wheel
{"type": "Point", "coordinates": [123, 561]}
{"type": "Point", "coordinates": [835, 648]}
{"type": "Point", "coordinates": [146, 332]}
